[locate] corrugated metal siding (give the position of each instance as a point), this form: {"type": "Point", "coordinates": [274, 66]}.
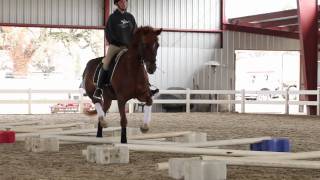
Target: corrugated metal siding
{"type": "Point", "coordinates": [224, 78]}
{"type": "Point", "coordinates": [53, 12]}
{"type": "Point", "coordinates": [180, 55]}
{"type": "Point", "coordinates": [176, 14]}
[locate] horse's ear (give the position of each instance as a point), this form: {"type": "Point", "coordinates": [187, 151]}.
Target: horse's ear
{"type": "Point", "coordinates": [158, 31]}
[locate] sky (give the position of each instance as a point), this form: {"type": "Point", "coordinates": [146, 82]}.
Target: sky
{"type": "Point", "coordinates": [238, 8]}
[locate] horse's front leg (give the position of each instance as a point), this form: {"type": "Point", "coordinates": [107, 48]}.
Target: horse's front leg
{"type": "Point", "coordinates": [123, 121]}
{"type": "Point", "coordinates": [147, 115]}
{"type": "Point", "coordinates": [102, 111]}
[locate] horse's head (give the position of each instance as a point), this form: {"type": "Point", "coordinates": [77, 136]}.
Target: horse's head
{"type": "Point", "coordinates": [146, 40]}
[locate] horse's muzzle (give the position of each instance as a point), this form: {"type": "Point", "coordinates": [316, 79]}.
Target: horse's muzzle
{"type": "Point", "coordinates": [151, 67]}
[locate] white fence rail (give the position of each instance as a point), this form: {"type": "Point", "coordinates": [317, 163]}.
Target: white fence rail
{"type": "Point", "coordinates": [29, 97]}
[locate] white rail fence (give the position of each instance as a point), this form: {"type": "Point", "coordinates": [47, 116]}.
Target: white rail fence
{"type": "Point", "coordinates": [33, 96]}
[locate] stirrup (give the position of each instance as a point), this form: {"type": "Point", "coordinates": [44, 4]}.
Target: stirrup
{"type": "Point", "coordinates": [98, 94]}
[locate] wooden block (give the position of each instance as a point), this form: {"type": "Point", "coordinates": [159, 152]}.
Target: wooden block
{"type": "Point", "coordinates": [107, 154]}
{"type": "Point", "coordinates": [176, 166]}
{"type": "Point", "coordinates": [91, 154]}
{"type": "Point", "coordinates": [37, 144]}
{"type": "Point", "coordinates": [111, 155]}
{"type": "Point", "coordinates": [205, 170]}
{"type": "Point", "coordinates": [28, 142]}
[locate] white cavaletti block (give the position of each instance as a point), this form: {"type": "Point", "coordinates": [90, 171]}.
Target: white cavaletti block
{"type": "Point", "coordinates": [37, 144]}
{"type": "Point", "coordinates": [205, 170]}
{"type": "Point", "coordinates": [176, 166]}
{"type": "Point", "coordinates": [107, 154]}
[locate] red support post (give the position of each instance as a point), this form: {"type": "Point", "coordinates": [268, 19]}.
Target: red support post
{"type": "Point", "coordinates": [308, 26]}
{"type": "Point", "coordinates": [106, 16]}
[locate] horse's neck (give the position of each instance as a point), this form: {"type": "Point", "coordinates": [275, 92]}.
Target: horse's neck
{"type": "Point", "coordinates": [134, 58]}
{"type": "Point", "coordinates": [136, 65]}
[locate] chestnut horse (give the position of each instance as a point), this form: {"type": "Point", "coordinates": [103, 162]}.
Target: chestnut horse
{"type": "Point", "coordinates": [129, 80]}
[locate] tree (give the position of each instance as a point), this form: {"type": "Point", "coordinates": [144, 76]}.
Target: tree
{"type": "Point", "coordinates": [26, 45]}
{"type": "Point", "coordinates": [20, 47]}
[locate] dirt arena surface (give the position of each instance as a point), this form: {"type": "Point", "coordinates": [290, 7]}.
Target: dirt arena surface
{"type": "Point", "coordinates": [68, 164]}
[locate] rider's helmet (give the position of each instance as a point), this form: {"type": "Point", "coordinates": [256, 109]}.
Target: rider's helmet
{"type": "Point", "coordinates": [115, 1]}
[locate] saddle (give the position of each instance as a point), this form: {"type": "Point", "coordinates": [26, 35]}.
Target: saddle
{"type": "Point", "coordinates": [112, 66]}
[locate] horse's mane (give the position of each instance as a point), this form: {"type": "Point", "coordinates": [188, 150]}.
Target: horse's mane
{"type": "Point", "coordinates": [141, 31]}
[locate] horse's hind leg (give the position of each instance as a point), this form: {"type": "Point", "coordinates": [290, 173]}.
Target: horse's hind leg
{"type": "Point", "coordinates": [123, 121]}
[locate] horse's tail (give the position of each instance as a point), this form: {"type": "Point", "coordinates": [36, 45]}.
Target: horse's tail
{"type": "Point", "coordinates": [89, 72]}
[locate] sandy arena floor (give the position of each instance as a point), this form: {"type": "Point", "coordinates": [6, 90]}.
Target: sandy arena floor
{"type": "Point", "coordinates": [68, 164]}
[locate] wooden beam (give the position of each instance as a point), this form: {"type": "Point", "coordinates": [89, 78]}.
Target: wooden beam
{"type": "Point", "coordinates": [293, 156]}
{"type": "Point", "coordinates": [55, 126]}
{"type": "Point", "coordinates": [200, 151]}
{"type": "Point", "coordinates": [19, 123]}
{"type": "Point", "coordinates": [33, 130]}
{"type": "Point", "coordinates": [266, 163]}
{"type": "Point", "coordinates": [21, 137]}
{"type": "Point", "coordinates": [159, 135]}
{"type": "Point", "coordinates": [107, 140]}
{"type": "Point", "coordinates": [224, 142]}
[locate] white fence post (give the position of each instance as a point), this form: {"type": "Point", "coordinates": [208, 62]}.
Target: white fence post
{"type": "Point", "coordinates": [286, 104]}
{"type": "Point", "coordinates": [81, 91]}
{"type": "Point", "coordinates": [243, 100]}
{"type": "Point", "coordinates": [131, 103]}
{"type": "Point", "coordinates": [29, 100]}
{"type": "Point", "coordinates": [229, 103]}
{"type": "Point", "coordinates": [188, 100]}
{"type": "Point", "coordinates": [318, 102]}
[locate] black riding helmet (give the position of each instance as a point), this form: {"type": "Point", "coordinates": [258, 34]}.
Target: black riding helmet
{"type": "Point", "coordinates": [115, 1]}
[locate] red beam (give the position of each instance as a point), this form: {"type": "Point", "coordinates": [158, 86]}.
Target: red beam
{"type": "Point", "coordinates": [106, 17]}
{"type": "Point", "coordinates": [51, 26]}
{"type": "Point", "coordinates": [264, 17]}
{"type": "Point", "coordinates": [192, 30]}
{"type": "Point", "coordinates": [293, 28]}
{"type": "Point", "coordinates": [106, 11]}
{"type": "Point", "coordinates": [233, 27]}
{"type": "Point", "coordinates": [275, 23]}
{"type": "Point", "coordinates": [308, 23]}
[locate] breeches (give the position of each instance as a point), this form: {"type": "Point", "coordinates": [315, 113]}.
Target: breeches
{"type": "Point", "coordinates": [112, 51]}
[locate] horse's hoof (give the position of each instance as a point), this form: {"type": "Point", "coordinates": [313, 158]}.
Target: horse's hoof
{"type": "Point", "coordinates": [144, 128]}
{"type": "Point", "coordinates": [103, 122]}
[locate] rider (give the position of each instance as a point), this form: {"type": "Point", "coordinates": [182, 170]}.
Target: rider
{"type": "Point", "coordinates": [119, 32]}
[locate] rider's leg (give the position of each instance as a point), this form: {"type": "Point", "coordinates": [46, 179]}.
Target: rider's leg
{"type": "Point", "coordinates": [103, 73]}
{"type": "Point", "coordinates": [100, 83]}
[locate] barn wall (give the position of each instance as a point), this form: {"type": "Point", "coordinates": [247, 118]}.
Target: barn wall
{"type": "Point", "coordinates": [181, 55]}
{"type": "Point", "coordinates": [53, 12]}
{"type": "Point", "coordinates": [224, 75]}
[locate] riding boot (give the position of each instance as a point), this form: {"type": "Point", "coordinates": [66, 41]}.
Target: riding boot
{"type": "Point", "coordinates": [103, 76]}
